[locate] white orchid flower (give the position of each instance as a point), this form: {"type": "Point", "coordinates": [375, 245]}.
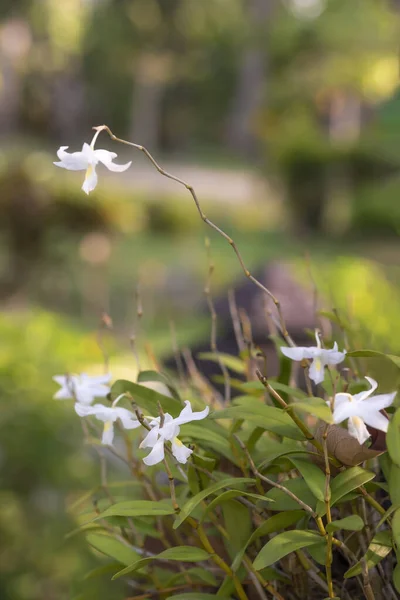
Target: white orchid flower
{"type": "Point", "coordinates": [169, 431]}
{"type": "Point", "coordinates": [362, 410]}
{"type": "Point", "coordinates": [82, 388]}
{"type": "Point", "coordinates": [109, 414]}
{"type": "Point", "coordinates": [319, 356]}
{"type": "Point", "coordinates": [87, 160]}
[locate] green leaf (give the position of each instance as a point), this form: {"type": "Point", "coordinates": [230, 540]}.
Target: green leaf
{"type": "Point", "coordinates": [394, 484]}
{"type": "Point", "coordinates": [108, 545]}
{"type": "Point", "coordinates": [318, 552]}
{"type": "Point", "coordinates": [179, 553]}
{"type": "Point", "coordinates": [274, 523]}
{"type": "Point", "coordinates": [385, 516]}
{"type": "Point", "coordinates": [317, 408]}
{"type": "Point", "coordinates": [231, 494]}
{"type": "Point", "coordinates": [287, 389]}
{"type": "Point", "coordinates": [374, 354]}
{"type": "Point", "coordinates": [191, 504]}
{"type": "Point", "coordinates": [393, 438]}
{"type": "Point", "coordinates": [146, 399]}
{"type": "Point", "coordinates": [284, 502]}
{"type": "Point", "coordinates": [233, 363]}
{"type": "Point", "coordinates": [396, 578]}
{"type": "Point", "coordinates": [145, 376]}
{"type": "Point", "coordinates": [238, 524]}
{"type": "Point", "coordinates": [138, 508]}
{"type": "Point", "coordinates": [396, 527]}
{"type": "Point", "coordinates": [271, 449]}
{"type": "Point", "coordinates": [346, 482]}
{"type": "Point", "coordinates": [268, 417]}
{"type": "Point", "coordinates": [194, 573]}
{"type": "Point", "coordinates": [198, 596]}
{"type": "Point", "coordinates": [379, 548]}
{"type": "Point", "coordinates": [312, 475]}
{"type": "Point", "coordinates": [285, 368]}
{"type": "Point", "coordinates": [352, 523]}
{"type": "Point", "coordinates": [283, 544]}
{"type": "Point", "coordinates": [103, 570]}
{"type": "Point", "coordinates": [213, 438]}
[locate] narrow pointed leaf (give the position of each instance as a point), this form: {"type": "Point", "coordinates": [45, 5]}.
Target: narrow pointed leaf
{"type": "Point", "coordinates": [393, 438]}
{"type": "Point", "coordinates": [352, 523]}
{"type": "Point", "coordinates": [274, 523]}
{"type": "Point", "coordinates": [312, 475]}
{"type": "Point", "coordinates": [180, 553]}
{"type": "Point", "coordinates": [346, 482]}
{"type": "Point", "coordinates": [138, 508]}
{"type": "Point", "coordinates": [146, 399]}
{"type": "Point", "coordinates": [374, 354]}
{"type": "Point", "coordinates": [317, 408]}
{"type": "Point", "coordinates": [108, 545]}
{"type": "Point", "coordinates": [191, 504]}
{"type": "Point", "coordinates": [379, 548]}
{"type": "Point", "coordinates": [284, 502]}
{"type": "Point", "coordinates": [268, 417]}
{"type": "Point", "coordinates": [198, 596]}
{"type": "Point", "coordinates": [283, 544]}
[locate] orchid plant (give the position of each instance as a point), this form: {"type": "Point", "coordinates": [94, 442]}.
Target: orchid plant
{"type": "Point", "coordinates": [87, 160]}
{"type": "Point", "coordinates": [273, 479]}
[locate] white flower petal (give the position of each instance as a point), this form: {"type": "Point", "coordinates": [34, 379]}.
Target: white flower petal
{"type": "Point", "coordinates": [294, 353]}
{"type": "Point", "coordinates": [344, 407]}
{"type": "Point", "coordinates": [375, 419]}
{"type": "Point", "coordinates": [151, 438]}
{"type": "Point", "coordinates": [96, 379]}
{"type": "Point", "coordinates": [180, 451]}
{"type": "Point", "coordinates": [156, 455]}
{"type": "Point", "coordinates": [357, 429]}
{"type": "Point", "coordinates": [90, 179]}
{"type": "Point", "coordinates": [379, 402]}
{"type": "Point", "coordinates": [187, 415]}
{"type": "Point", "coordinates": [107, 157]}
{"type": "Point", "coordinates": [364, 395]}
{"type": "Point", "coordinates": [333, 357]}
{"type": "Point", "coordinates": [84, 410]}
{"type": "Point", "coordinates": [316, 371]}
{"type": "Point", "coordinates": [73, 161]}
{"type": "Point", "coordinates": [127, 418]}
{"type": "Point", "coordinates": [63, 394]}
{"type": "Point", "coordinates": [108, 434]}
{"type": "Point", "coordinates": [83, 396]}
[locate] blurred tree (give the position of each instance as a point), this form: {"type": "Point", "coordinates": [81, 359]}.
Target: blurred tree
{"type": "Point", "coordinates": [329, 71]}
{"type": "Point", "coordinates": [250, 92]}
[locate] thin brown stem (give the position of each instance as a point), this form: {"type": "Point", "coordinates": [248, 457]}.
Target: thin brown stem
{"type": "Point", "coordinates": [231, 242]}
{"type": "Point", "coordinates": [327, 498]}
{"type": "Point", "coordinates": [213, 335]}
{"type": "Point", "coordinates": [272, 483]}
{"type": "Point", "coordinates": [237, 328]}
{"type": "Point", "coordinates": [289, 409]}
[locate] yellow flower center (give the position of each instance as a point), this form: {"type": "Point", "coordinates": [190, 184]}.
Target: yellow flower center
{"type": "Point", "coordinates": [89, 171]}
{"type": "Point", "coordinates": [177, 442]}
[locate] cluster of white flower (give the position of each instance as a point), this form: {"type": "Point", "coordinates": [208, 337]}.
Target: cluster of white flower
{"type": "Point", "coordinates": [85, 388]}
{"type": "Point", "coordinates": [360, 409]}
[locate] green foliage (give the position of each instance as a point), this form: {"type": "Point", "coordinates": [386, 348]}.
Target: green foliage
{"type": "Point", "coordinates": [283, 544]}
{"type": "Point", "coordinates": [379, 548]}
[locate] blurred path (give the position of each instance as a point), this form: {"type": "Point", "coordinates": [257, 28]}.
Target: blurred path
{"type": "Point", "coordinates": [225, 185]}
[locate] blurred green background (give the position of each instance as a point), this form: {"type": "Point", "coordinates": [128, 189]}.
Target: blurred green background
{"type": "Point", "coordinates": [285, 117]}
